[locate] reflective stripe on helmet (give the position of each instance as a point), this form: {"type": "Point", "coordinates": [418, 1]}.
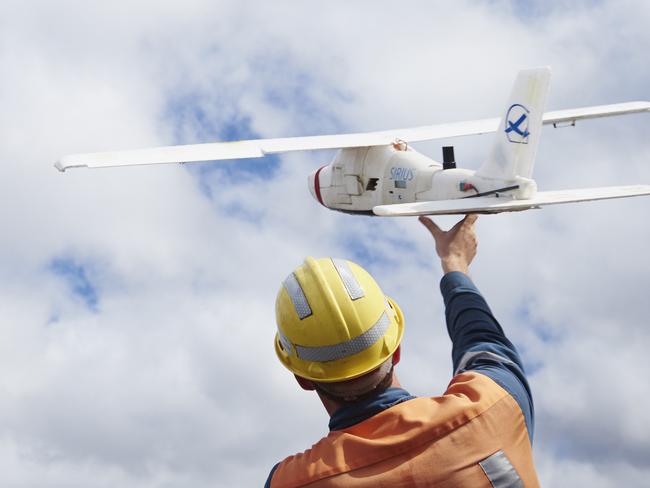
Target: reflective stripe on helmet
{"type": "Point", "coordinates": [345, 349]}
{"type": "Point", "coordinates": [349, 281]}
{"type": "Point", "coordinates": [297, 296]}
{"type": "Point", "coordinates": [285, 342]}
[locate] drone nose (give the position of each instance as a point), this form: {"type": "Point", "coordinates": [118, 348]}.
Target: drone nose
{"type": "Point", "coordinates": [315, 183]}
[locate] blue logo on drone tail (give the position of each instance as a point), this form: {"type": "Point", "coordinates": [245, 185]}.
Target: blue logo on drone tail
{"type": "Point", "coordinates": [517, 124]}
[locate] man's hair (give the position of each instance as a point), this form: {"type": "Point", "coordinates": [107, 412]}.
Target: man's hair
{"type": "Point", "coordinates": [360, 388]}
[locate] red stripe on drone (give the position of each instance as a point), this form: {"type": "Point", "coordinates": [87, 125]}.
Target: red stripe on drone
{"type": "Point", "coordinates": [317, 187]}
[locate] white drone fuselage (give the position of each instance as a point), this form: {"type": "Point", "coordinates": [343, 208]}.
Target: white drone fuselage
{"type": "Point", "coordinates": [359, 179]}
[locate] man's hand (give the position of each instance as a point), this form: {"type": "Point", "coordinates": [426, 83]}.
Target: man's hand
{"type": "Point", "coordinates": [457, 246]}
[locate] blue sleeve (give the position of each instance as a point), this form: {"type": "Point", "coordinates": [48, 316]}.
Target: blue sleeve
{"type": "Point", "coordinates": [268, 480]}
{"type": "Point", "coordinates": [479, 343]}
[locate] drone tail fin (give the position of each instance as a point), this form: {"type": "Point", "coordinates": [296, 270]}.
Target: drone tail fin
{"type": "Point", "coordinates": [515, 146]}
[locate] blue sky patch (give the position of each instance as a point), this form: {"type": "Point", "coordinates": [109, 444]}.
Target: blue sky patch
{"type": "Point", "coordinates": [301, 96]}
{"type": "Point", "coordinates": [76, 277]}
{"type": "Point", "coordinates": [363, 251]}
{"type": "Point", "coordinates": [534, 10]}
{"type": "Point", "coordinates": [238, 211]}
{"type": "Point", "coordinates": [544, 331]}
{"type": "Point", "coordinates": [197, 115]}
{"type": "Point", "coordinates": [193, 124]}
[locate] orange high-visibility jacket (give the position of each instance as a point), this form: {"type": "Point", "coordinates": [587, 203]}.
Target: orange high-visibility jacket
{"type": "Point", "coordinates": [477, 434]}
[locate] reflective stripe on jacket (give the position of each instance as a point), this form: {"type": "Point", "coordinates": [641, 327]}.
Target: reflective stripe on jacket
{"type": "Point", "coordinates": [474, 435]}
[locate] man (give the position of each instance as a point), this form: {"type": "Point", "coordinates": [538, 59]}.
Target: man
{"type": "Point", "coordinates": [340, 336]}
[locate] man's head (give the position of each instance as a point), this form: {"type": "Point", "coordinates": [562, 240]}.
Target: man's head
{"type": "Point", "coordinates": [337, 331]}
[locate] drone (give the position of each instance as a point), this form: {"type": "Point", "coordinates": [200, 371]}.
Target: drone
{"type": "Point", "coordinates": [379, 173]}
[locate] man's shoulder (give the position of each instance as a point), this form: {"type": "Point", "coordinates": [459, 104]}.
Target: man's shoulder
{"type": "Point", "coordinates": [396, 429]}
{"type": "Point", "coordinates": [300, 466]}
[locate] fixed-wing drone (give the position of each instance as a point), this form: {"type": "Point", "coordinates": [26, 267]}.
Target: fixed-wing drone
{"type": "Point", "coordinates": [380, 173]}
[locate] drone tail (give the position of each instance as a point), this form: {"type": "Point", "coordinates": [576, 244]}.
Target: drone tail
{"type": "Point", "coordinates": [515, 146]}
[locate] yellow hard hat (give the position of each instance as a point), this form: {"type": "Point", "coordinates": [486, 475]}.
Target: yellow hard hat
{"type": "Point", "coordinates": [334, 322]}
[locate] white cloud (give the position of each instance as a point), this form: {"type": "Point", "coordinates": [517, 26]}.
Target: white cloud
{"type": "Point", "coordinates": [172, 381]}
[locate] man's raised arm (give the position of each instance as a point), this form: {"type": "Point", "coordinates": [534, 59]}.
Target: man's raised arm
{"type": "Point", "coordinates": [479, 343]}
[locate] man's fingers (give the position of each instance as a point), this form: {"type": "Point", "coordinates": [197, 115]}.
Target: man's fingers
{"type": "Point", "coordinates": [470, 219]}
{"type": "Point", "coordinates": [431, 225]}
{"type": "Point", "coordinates": [458, 225]}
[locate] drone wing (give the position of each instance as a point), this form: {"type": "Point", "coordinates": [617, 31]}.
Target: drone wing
{"type": "Point", "coordinates": [507, 204]}
{"type": "Point", "coordinates": [257, 148]}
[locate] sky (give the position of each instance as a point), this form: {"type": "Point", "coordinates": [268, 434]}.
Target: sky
{"type": "Point", "coordinates": [138, 303]}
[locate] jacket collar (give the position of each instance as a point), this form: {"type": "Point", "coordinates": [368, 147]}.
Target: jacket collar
{"type": "Point", "coordinates": [353, 413]}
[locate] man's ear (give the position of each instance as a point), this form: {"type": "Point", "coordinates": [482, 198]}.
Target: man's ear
{"type": "Point", "coordinates": [304, 383]}
{"type": "Point", "coordinates": [397, 355]}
